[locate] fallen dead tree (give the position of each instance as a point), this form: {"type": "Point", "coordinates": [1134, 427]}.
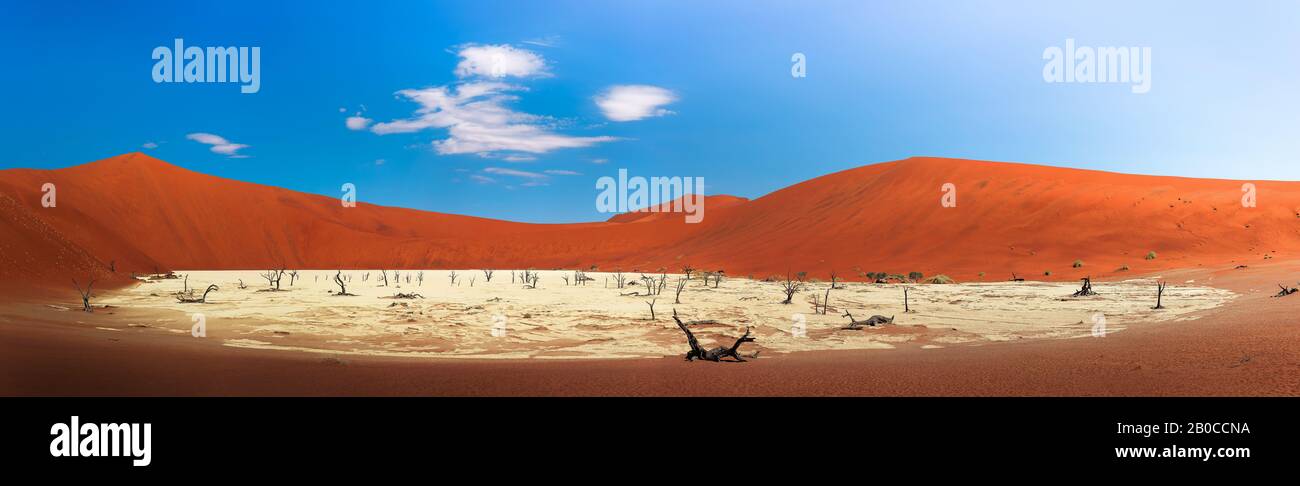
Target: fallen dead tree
{"type": "Point", "coordinates": [1086, 290]}
{"type": "Point", "coordinates": [715, 354]}
{"type": "Point", "coordinates": [1285, 291]}
{"type": "Point", "coordinates": [187, 296]}
{"type": "Point", "coordinates": [873, 321]}
{"type": "Point", "coordinates": [411, 295]}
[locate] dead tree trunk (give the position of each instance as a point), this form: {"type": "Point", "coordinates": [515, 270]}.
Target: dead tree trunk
{"type": "Point", "coordinates": [681, 285]}
{"type": "Point", "coordinates": [715, 354]}
{"type": "Point", "coordinates": [1160, 291]}
{"type": "Point", "coordinates": [906, 309]}
{"type": "Point", "coordinates": [487, 274]}
{"type": "Point", "coordinates": [651, 303]}
{"type": "Point", "coordinates": [85, 294]}
{"type": "Point", "coordinates": [338, 279]}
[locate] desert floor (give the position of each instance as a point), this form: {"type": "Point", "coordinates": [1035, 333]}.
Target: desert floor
{"type": "Point", "coordinates": [599, 320]}
{"type": "Point", "coordinates": [1220, 334]}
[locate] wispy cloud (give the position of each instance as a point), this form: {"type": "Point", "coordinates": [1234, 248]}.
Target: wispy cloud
{"type": "Point", "coordinates": [219, 144]}
{"type": "Point", "coordinates": [150, 145]}
{"type": "Point", "coordinates": [634, 102]}
{"type": "Point", "coordinates": [548, 41]}
{"type": "Point", "coordinates": [478, 122]}
{"type": "Point", "coordinates": [561, 172]}
{"type": "Point", "coordinates": [514, 173]}
{"type": "Point", "coordinates": [482, 179]}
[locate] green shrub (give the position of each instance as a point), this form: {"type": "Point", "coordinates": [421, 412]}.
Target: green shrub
{"type": "Point", "coordinates": [1151, 255]}
{"type": "Point", "coordinates": [915, 276]}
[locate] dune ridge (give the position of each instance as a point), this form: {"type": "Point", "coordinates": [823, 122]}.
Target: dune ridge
{"type": "Point", "coordinates": [145, 214]}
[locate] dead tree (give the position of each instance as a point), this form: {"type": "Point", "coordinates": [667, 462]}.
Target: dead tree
{"type": "Point", "coordinates": [452, 277]}
{"type": "Point", "coordinates": [293, 275]}
{"type": "Point", "coordinates": [1285, 291]}
{"type": "Point", "coordinates": [715, 354]}
{"type": "Point", "coordinates": [1160, 291]}
{"type": "Point", "coordinates": [873, 321]}
{"type": "Point", "coordinates": [530, 279]}
{"type": "Point", "coordinates": [85, 294]}
{"type": "Point", "coordinates": [1086, 290]}
{"type": "Point", "coordinates": [187, 297]}
{"type": "Point", "coordinates": [681, 285]}
{"type": "Point", "coordinates": [717, 278]}
{"type": "Point", "coordinates": [487, 275]}
{"type": "Point", "coordinates": [471, 281]}
{"type": "Point", "coordinates": [273, 278]}
{"type": "Point", "coordinates": [906, 309]}
{"type": "Point", "coordinates": [365, 277]}
{"type": "Point", "coordinates": [619, 278]}
{"type": "Point", "coordinates": [826, 302]}
{"type": "Point", "coordinates": [688, 270]}
{"type": "Point", "coordinates": [651, 303]}
{"type": "Point", "coordinates": [835, 278]}
{"type": "Point", "coordinates": [419, 278]}
{"type": "Point", "coordinates": [397, 277]}
{"type": "Point", "coordinates": [338, 279]}
{"type": "Point", "coordinates": [241, 284]}
{"type": "Point", "coordinates": [1015, 278]}
{"type": "Point", "coordinates": [565, 278]}
{"type": "Point", "coordinates": [791, 286]}
{"type": "Point", "coordinates": [383, 275]}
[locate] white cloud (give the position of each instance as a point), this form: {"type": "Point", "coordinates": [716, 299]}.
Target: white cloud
{"type": "Point", "coordinates": [358, 122]}
{"type": "Point", "coordinates": [380, 161]}
{"type": "Point", "coordinates": [481, 179]}
{"type": "Point", "coordinates": [634, 102]}
{"type": "Point", "coordinates": [478, 122]}
{"type": "Point", "coordinates": [515, 173]}
{"type": "Point", "coordinates": [599, 161]}
{"type": "Point", "coordinates": [519, 158]}
{"type": "Point", "coordinates": [219, 144]}
{"type": "Point", "coordinates": [562, 172]}
{"type": "Point", "coordinates": [498, 61]}
{"type": "Point", "coordinates": [150, 145]}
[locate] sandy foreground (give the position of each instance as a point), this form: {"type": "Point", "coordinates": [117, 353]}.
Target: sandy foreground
{"type": "Point", "coordinates": [558, 319]}
{"type": "Point", "coordinates": [1249, 344]}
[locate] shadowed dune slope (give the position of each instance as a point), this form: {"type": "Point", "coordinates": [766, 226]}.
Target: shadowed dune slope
{"type": "Point", "coordinates": [144, 213]}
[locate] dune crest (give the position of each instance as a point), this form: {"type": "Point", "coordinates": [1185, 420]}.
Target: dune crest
{"type": "Point", "coordinates": [144, 213]}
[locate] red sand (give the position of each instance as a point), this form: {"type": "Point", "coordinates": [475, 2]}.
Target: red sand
{"type": "Point", "coordinates": [144, 214]}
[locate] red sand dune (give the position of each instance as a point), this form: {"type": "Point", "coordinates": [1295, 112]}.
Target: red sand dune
{"type": "Point", "coordinates": [144, 213]}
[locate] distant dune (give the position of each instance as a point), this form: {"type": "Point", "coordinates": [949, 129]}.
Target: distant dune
{"type": "Point", "coordinates": [144, 214]}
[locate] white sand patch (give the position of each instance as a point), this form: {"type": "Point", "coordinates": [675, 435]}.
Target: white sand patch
{"type": "Point", "coordinates": [562, 321]}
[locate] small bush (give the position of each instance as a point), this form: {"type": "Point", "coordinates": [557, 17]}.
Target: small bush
{"type": "Point", "coordinates": [915, 276]}
{"type": "Point", "coordinates": [1122, 268]}
{"type": "Point", "coordinates": [939, 279]}
{"type": "Point", "coordinates": [981, 274]}
{"type": "Point", "coordinates": [1048, 273]}
{"type": "Point", "coordinates": [1078, 263]}
{"type": "Point", "coordinates": [1151, 255]}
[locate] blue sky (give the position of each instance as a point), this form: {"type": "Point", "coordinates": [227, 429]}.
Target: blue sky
{"type": "Point", "coordinates": [713, 93]}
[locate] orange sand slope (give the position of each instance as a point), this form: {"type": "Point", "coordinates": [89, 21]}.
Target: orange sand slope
{"type": "Point", "coordinates": [143, 213]}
